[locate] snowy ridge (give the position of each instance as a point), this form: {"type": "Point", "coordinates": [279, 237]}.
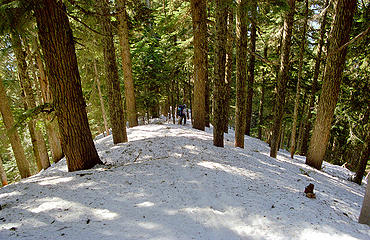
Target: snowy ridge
{"type": "Point", "coordinates": [170, 182]}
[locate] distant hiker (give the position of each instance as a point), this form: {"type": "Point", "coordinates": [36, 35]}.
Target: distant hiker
{"type": "Point", "coordinates": [181, 112]}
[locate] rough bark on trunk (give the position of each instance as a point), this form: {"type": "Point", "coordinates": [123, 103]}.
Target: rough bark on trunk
{"type": "Point", "coordinates": [4, 180]}
{"type": "Point", "coordinates": [198, 13]}
{"type": "Point", "coordinates": [126, 64]}
{"type": "Point", "coordinates": [51, 123]}
{"type": "Point", "coordinates": [20, 158]}
{"type": "Point", "coordinates": [117, 117]}
{"type": "Point", "coordinates": [282, 78]}
{"type": "Point", "coordinates": [57, 44]}
{"type": "Point", "coordinates": [229, 64]}
{"type": "Point", "coordinates": [365, 209]}
{"type": "Point", "coordinates": [241, 75]}
{"type": "Point", "coordinates": [252, 60]}
{"type": "Point", "coordinates": [307, 124]}
{"type": "Point", "coordinates": [219, 116]}
{"type": "Point", "coordinates": [38, 141]}
{"type": "Point", "coordinates": [298, 89]}
{"type": "Point", "coordinates": [97, 82]}
{"type": "Point", "coordinates": [339, 35]}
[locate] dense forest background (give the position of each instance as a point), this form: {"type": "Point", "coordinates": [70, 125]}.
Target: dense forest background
{"type": "Point", "coordinates": [160, 34]}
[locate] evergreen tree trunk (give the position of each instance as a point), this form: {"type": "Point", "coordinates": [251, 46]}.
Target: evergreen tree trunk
{"type": "Point", "coordinates": [97, 82]}
{"type": "Point", "coordinates": [298, 89]}
{"type": "Point", "coordinates": [208, 102]}
{"type": "Point", "coordinates": [252, 60]}
{"type": "Point", "coordinates": [282, 136]}
{"type": "Point", "coordinates": [241, 75]}
{"type": "Point", "coordinates": [339, 35]}
{"type": "Point", "coordinates": [20, 158]}
{"type": "Point", "coordinates": [126, 64]}
{"type": "Point", "coordinates": [117, 117]}
{"type": "Point", "coordinates": [219, 116]}
{"type": "Point", "coordinates": [365, 209]}
{"type": "Point", "coordinates": [173, 104]}
{"type": "Point", "coordinates": [198, 13]}
{"type": "Point", "coordinates": [365, 152]}
{"type": "Point", "coordinates": [282, 78]}
{"type": "Point", "coordinates": [51, 123]}
{"type": "Point", "coordinates": [38, 141]}
{"type": "Point", "coordinates": [301, 125]}
{"type": "Point", "coordinates": [31, 127]}
{"type": "Point", "coordinates": [262, 99]}
{"type": "Point", "coordinates": [307, 124]}
{"type": "Point", "coordinates": [56, 40]}
{"type": "Point", "coordinates": [4, 180]}
{"type": "Point", "coordinates": [229, 64]}
{"type": "Point", "coordinates": [207, 95]}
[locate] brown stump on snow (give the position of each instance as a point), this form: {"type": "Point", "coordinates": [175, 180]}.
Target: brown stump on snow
{"type": "Point", "coordinates": [309, 191]}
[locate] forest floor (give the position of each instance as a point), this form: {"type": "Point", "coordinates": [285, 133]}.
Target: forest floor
{"type": "Point", "coordinates": [170, 182]}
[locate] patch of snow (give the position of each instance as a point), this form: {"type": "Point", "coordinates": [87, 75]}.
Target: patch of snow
{"type": "Point", "coordinates": [170, 182]}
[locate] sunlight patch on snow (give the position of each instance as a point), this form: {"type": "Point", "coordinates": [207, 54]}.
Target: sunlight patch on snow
{"type": "Point", "coordinates": [104, 214]}
{"type": "Point", "coordinates": [327, 234]}
{"type": "Point", "coordinates": [49, 204]}
{"type": "Point", "coordinates": [11, 194]}
{"type": "Point", "coordinates": [145, 204]}
{"type": "Point", "coordinates": [176, 155]}
{"type": "Point", "coordinates": [230, 169]}
{"type": "Point", "coordinates": [234, 219]}
{"type": "Point", "coordinates": [257, 226]}
{"type": "Point", "coordinates": [55, 180]}
{"type": "Point", "coordinates": [61, 205]}
{"type": "Point", "coordinates": [149, 225]}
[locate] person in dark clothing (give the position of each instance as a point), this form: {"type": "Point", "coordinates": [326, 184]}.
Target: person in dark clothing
{"type": "Point", "coordinates": [181, 112]}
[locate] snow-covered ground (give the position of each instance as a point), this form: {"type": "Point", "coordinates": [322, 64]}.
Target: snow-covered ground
{"type": "Point", "coordinates": [170, 182]}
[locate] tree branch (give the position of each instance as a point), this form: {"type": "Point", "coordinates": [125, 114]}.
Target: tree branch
{"type": "Point", "coordinates": [358, 37]}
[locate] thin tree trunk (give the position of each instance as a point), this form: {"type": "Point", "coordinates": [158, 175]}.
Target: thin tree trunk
{"type": "Point", "coordinates": [365, 209]}
{"type": "Point", "coordinates": [208, 110]}
{"type": "Point", "coordinates": [173, 104]}
{"type": "Point", "coordinates": [20, 158]}
{"type": "Point", "coordinates": [229, 64]}
{"type": "Point", "coordinates": [207, 94]}
{"type": "Point", "coordinates": [126, 64]}
{"type": "Point", "coordinates": [262, 99]}
{"type": "Point", "coordinates": [282, 136]}
{"type": "Point", "coordinates": [365, 152]}
{"type": "Point", "coordinates": [56, 40]}
{"type": "Point", "coordinates": [241, 75]}
{"type": "Point", "coordinates": [198, 13]}
{"type": "Point", "coordinates": [4, 180]}
{"type": "Point", "coordinates": [39, 145]}
{"type": "Point", "coordinates": [97, 82]}
{"type": "Point", "coordinates": [298, 90]}
{"type": "Point", "coordinates": [282, 78]}
{"type": "Point", "coordinates": [301, 124]}
{"type": "Point", "coordinates": [31, 127]}
{"type": "Point", "coordinates": [308, 125]}
{"type": "Point", "coordinates": [252, 60]}
{"type": "Point", "coordinates": [219, 116]}
{"type": "Point", "coordinates": [339, 35]}
{"type": "Point", "coordinates": [51, 123]}
{"type": "Point", "coordinates": [117, 117]}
